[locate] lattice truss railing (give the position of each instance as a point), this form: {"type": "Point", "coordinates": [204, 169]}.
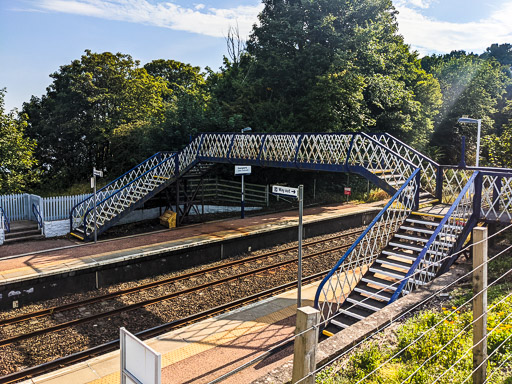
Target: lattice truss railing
{"type": "Point", "coordinates": [428, 166]}
{"type": "Point", "coordinates": [441, 243]}
{"type": "Point", "coordinates": [324, 151]}
{"type": "Point", "coordinates": [496, 197]}
{"type": "Point", "coordinates": [454, 180]}
{"type": "Point", "coordinates": [128, 188]}
{"type": "Point", "coordinates": [341, 280]}
{"type": "Point", "coordinates": [379, 160]}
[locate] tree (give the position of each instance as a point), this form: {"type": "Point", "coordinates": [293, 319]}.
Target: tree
{"type": "Point", "coordinates": [328, 65]}
{"type": "Point", "coordinates": [88, 100]}
{"type": "Point", "coordinates": [470, 86]}
{"type": "Point", "coordinates": [16, 153]}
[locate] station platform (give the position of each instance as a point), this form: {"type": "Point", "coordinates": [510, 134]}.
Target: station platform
{"type": "Point", "coordinates": [72, 259]}
{"type": "Point", "coordinates": [204, 351]}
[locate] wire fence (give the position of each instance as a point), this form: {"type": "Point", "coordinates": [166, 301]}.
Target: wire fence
{"type": "Point", "coordinates": [501, 320]}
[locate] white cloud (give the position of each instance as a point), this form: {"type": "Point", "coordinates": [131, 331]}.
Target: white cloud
{"type": "Point", "coordinates": [416, 3]}
{"type": "Point", "coordinates": [197, 19]}
{"type": "Point", "coordinates": [428, 35]}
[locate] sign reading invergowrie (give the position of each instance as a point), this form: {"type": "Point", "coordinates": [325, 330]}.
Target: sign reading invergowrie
{"type": "Point", "coordinates": [285, 191]}
{"type": "Point", "coordinates": [241, 170]}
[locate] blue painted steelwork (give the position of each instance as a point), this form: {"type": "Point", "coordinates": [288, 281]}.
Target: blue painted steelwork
{"type": "Point", "coordinates": [332, 152]}
{"type": "Point", "coordinates": [437, 231]}
{"type": "Point", "coordinates": [37, 215]}
{"type": "Point", "coordinates": [373, 238]}
{"type": "Point", "coordinates": [5, 220]}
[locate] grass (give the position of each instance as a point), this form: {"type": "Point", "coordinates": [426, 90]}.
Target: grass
{"type": "Point", "coordinates": [424, 361]}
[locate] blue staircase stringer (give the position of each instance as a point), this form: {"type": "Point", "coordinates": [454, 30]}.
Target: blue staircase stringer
{"type": "Point", "coordinates": [335, 288]}
{"type": "Point", "coordinates": [437, 255]}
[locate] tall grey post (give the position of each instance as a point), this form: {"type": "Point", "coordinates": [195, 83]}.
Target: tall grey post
{"type": "Point", "coordinates": [95, 208]}
{"type": "Point", "coordinates": [480, 305]}
{"type": "Point", "coordinates": [299, 273]}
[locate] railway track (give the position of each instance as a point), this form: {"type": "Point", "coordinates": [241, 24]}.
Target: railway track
{"type": "Point", "coordinates": [281, 265]}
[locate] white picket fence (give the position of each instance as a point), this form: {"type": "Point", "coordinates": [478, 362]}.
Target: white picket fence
{"type": "Point", "coordinates": [19, 207]}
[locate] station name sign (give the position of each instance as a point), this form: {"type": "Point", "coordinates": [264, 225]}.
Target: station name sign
{"type": "Point", "coordinates": [285, 191]}
{"type": "Point", "coordinates": [242, 170]}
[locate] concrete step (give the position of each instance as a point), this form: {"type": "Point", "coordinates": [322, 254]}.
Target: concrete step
{"type": "Point", "coordinates": [23, 239]}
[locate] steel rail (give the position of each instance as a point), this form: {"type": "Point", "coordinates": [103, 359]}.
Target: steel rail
{"type": "Point", "coordinates": [155, 300]}
{"type": "Point", "coordinates": [108, 296]}
{"type": "Point", "coordinates": [112, 345]}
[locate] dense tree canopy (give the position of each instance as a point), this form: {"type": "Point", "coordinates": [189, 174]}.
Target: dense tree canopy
{"type": "Point", "coordinates": [75, 122]}
{"type": "Point", "coordinates": [308, 66]}
{"type": "Point", "coordinates": [473, 86]}
{"type": "Point", "coordinates": [16, 153]}
{"type": "Point", "coordinates": [329, 65]}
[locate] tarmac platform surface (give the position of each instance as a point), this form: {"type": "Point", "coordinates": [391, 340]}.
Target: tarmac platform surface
{"type": "Point", "coordinates": [42, 263]}
{"type": "Point", "coordinates": [203, 351]}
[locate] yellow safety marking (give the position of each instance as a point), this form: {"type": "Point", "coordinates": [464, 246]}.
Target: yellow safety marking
{"type": "Point", "coordinates": [425, 203]}
{"type": "Point", "coordinates": [427, 214]}
{"type": "Point", "coordinates": [327, 333]}
{"type": "Point", "coordinates": [74, 234]}
{"type": "Point", "coordinates": [161, 177]}
{"type": "Point", "coordinates": [381, 171]}
{"type": "Point", "coordinates": [213, 341]}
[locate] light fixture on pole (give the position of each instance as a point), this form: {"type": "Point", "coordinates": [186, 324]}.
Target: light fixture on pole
{"type": "Point", "coordinates": [467, 120]}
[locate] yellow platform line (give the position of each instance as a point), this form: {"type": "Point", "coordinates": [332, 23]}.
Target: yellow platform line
{"type": "Point", "coordinates": [212, 341]}
{"type": "Point", "coordinates": [427, 214]}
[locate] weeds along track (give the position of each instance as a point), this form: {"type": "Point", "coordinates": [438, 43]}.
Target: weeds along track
{"type": "Point", "coordinates": [80, 329]}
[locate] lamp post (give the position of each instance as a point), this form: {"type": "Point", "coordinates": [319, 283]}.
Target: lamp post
{"type": "Point", "coordinates": [465, 119]}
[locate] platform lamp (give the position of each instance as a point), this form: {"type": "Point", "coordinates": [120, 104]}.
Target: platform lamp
{"type": "Point", "coordinates": [242, 207]}
{"type": "Point", "coordinates": [468, 120]}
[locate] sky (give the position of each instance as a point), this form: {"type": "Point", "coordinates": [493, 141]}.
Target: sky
{"type": "Point", "coordinates": [38, 36]}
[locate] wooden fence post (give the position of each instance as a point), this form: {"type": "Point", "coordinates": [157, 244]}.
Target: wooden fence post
{"type": "Point", "coordinates": [480, 305]}
{"type": "Point", "coordinates": [305, 344]}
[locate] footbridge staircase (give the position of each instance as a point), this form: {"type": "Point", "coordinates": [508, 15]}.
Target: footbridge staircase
{"type": "Point", "coordinates": [414, 238]}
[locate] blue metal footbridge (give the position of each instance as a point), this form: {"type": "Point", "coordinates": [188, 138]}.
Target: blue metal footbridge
{"type": "Point", "coordinates": [414, 238]}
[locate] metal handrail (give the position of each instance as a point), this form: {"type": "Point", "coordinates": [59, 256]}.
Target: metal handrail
{"type": "Point", "coordinates": [127, 185]}
{"type": "Point", "coordinates": [4, 221]}
{"type": "Point", "coordinates": [37, 214]}
{"type": "Point", "coordinates": [416, 152]}
{"type": "Point", "coordinates": [366, 231]}
{"type": "Point", "coordinates": [433, 237]}
{"type": "Point", "coordinates": [113, 181]}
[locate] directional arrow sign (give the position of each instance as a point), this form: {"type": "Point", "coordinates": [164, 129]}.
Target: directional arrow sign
{"type": "Point", "coordinates": [285, 191]}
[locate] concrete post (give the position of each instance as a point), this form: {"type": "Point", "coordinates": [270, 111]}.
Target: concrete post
{"type": "Point", "coordinates": [480, 305]}
{"type": "Point", "coordinates": [305, 344]}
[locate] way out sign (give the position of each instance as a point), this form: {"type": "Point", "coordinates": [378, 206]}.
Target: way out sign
{"type": "Point", "coordinates": [241, 170]}
{"type": "Point", "coordinates": [348, 191]}
{"type": "Point", "coordinates": [285, 191]}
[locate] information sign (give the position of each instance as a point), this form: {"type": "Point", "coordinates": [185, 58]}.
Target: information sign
{"type": "Point", "coordinates": [348, 191]}
{"type": "Point", "coordinates": [139, 363]}
{"type": "Point", "coordinates": [285, 191]}
{"type": "Point", "coordinates": [242, 170]}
